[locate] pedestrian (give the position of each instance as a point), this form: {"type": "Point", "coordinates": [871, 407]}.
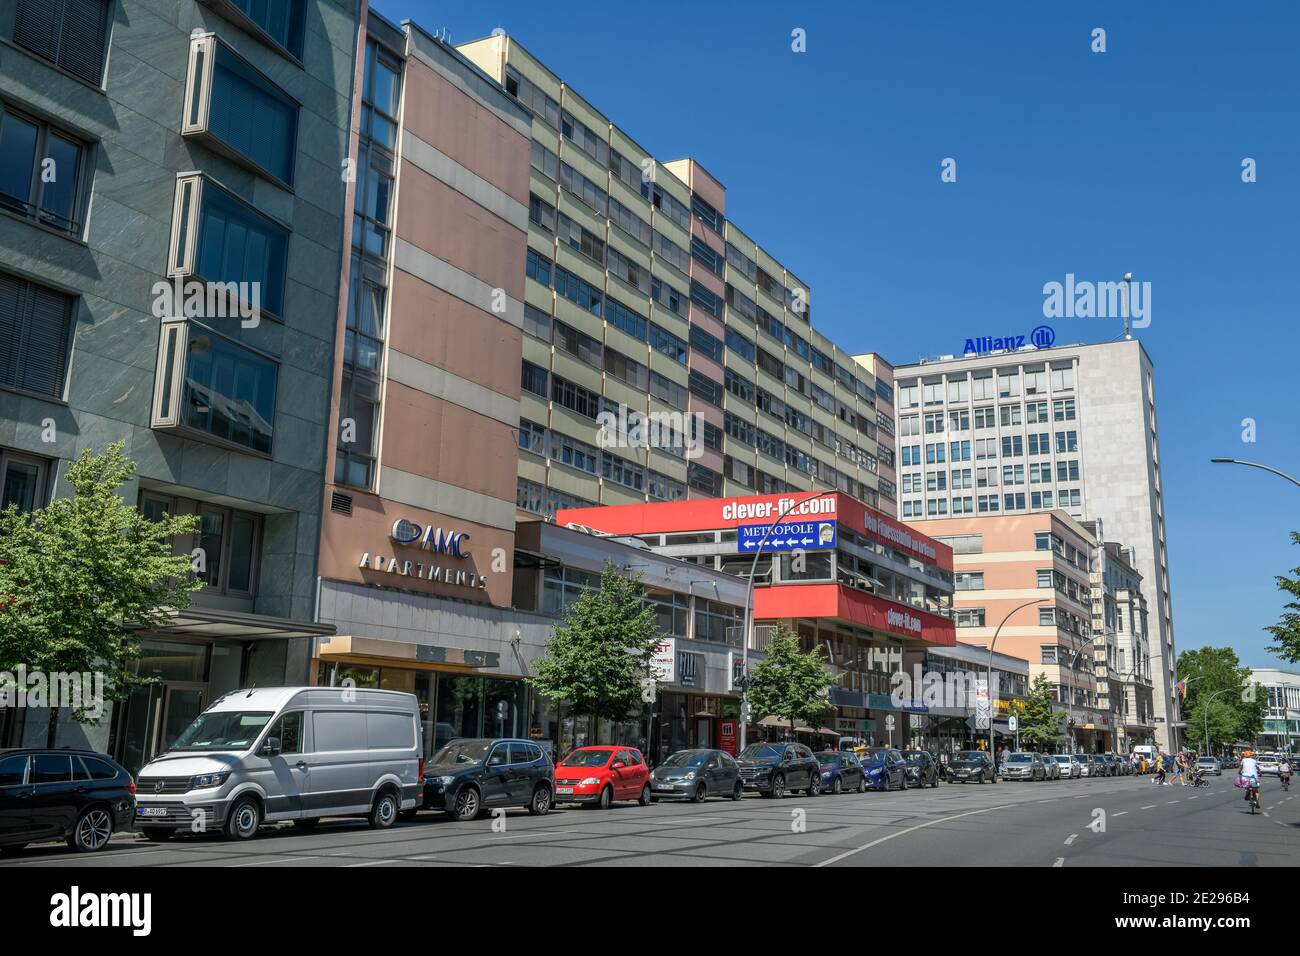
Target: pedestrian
{"type": "Point", "coordinates": [1182, 768]}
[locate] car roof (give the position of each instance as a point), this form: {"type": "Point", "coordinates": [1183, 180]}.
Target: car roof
{"type": "Point", "coordinates": [79, 751]}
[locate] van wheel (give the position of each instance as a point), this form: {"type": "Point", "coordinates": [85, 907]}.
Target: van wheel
{"type": "Point", "coordinates": [157, 834]}
{"type": "Point", "coordinates": [384, 813]}
{"type": "Point", "coordinates": [308, 824]}
{"type": "Point", "coordinates": [466, 806]}
{"type": "Point", "coordinates": [540, 805]}
{"type": "Point", "coordinates": [245, 817]}
{"type": "Point", "coordinates": [92, 832]}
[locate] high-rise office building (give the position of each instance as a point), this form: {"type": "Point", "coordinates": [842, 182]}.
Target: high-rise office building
{"type": "Point", "coordinates": [1071, 428]}
{"type": "Point", "coordinates": [644, 304]}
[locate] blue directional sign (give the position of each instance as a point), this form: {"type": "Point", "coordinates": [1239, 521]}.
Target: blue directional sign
{"type": "Point", "coordinates": [789, 536]}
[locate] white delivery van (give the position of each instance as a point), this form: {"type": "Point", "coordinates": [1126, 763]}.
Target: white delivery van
{"type": "Point", "coordinates": [286, 753]}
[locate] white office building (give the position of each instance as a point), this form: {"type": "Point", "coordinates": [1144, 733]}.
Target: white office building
{"type": "Point", "coordinates": [1027, 430]}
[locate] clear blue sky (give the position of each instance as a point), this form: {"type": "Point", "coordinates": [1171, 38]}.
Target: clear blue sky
{"type": "Point", "coordinates": [1067, 161]}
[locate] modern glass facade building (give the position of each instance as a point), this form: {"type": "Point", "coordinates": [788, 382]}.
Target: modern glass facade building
{"type": "Point", "coordinates": [643, 301]}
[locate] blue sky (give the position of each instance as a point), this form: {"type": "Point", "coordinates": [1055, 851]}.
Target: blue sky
{"type": "Point", "coordinates": [1067, 161]}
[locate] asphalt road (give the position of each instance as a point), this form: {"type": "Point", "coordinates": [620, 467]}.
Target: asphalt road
{"type": "Point", "coordinates": [1123, 821]}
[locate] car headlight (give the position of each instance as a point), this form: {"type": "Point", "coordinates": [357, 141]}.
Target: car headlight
{"type": "Point", "coordinates": [690, 776]}
{"type": "Point", "coordinates": [875, 772]}
{"type": "Point", "coordinates": [445, 781]}
{"type": "Point", "coordinates": [589, 781]}
{"type": "Point", "coordinates": [826, 774]}
{"type": "Point", "coordinates": [203, 781]}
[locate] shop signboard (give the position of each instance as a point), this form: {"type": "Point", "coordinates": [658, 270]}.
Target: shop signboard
{"type": "Point", "coordinates": [787, 536]}
{"type": "Point", "coordinates": [727, 736]}
{"type": "Point", "coordinates": [663, 661]}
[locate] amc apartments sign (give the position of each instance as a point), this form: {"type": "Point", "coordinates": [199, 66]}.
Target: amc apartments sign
{"type": "Point", "coordinates": [453, 544]}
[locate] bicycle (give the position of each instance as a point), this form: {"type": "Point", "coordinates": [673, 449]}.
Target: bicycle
{"type": "Point", "coordinates": [1252, 795]}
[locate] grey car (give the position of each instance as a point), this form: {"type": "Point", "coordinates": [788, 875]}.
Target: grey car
{"type": "Point", "coordinates": [1024, 766]}
{"type": "Point", "coordinates": [1069, 764]}
{"type": "Point", "coordinates": [1051, 768]}
{"type": "Point", "coordinates": [1209, 765]}
{"type": "Point", "coordinates": [696, 775]}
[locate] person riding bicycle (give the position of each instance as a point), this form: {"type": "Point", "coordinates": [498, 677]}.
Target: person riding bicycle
{"type": "Point", "coordinates": [1249, 773]}
{"type": "Point", "coordinates": [1284, 772]}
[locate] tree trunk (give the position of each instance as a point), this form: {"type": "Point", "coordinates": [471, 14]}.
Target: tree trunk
{"type": "Point", "coordinates": [792, 733]}
{"type": "Point", "coordinates": [52, 731]}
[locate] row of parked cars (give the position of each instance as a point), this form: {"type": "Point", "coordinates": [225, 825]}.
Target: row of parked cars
{"type": "Point", "coordinates": [1035, 766]}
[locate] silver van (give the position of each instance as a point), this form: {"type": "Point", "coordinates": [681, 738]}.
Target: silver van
{"type": "Point", "coordinates": [286, 753]}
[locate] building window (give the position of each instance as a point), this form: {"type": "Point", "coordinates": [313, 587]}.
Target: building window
{"type": "Point", "coordinates": [664, 342]}
{"type": "Point", "coordinates": [220, 239]}
{"type": "Point", "coordinates": [663, 488]}
{"type": "Point", "coordinates": [354, 464]}
{"type": "Point", "coordinates": [228, 540]}
{"type": "Point", "coordinates": [713, 620]}
{"type": "Point", "coordinates": [213, 386]}
{"type": "Point", "coordinates": [970, 617]}
{"type": "Point", "coordinates": [280, 21]}
{"type": "Point", "coordinates": [968, 580]}
{"type": "Point", "coordinates": [24, 481]}
{"type": "Point", "coordinates": [35, 332]}
{"type": "Point", "coordinates": [71, 34]}
{"type": "Point", "coordinates": [43, 172]}
{"type": "Point", "coordinates": [247, 116]}
{"type": "Point", "coordinates": [704, 479]}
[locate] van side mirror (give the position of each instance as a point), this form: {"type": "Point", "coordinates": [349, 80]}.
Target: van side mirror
{"type": "Point", "coordinates": [272, 747]}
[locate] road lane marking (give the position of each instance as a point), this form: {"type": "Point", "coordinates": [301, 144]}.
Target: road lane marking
{"type": "Point", "coordinates": [1071, 838]}
{"type": "Point", "coordinates": [1167, 802]}
{"type": "Point", "coordinates": [287, 859]}
{"type": "Point", "coordinates": [373, 863]}
{"type": "Point", "coordinates": [1120, 814]}
{"type": "Point", "coordinates": [1147, 807]}
{"type": "Point", "coordinates": [913, 829]}
{"type": "Point", "coordinates": [1060, 861]}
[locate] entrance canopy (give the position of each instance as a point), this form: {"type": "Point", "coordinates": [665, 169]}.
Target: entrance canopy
{"type": "Point", "coordinates": [211, 624]}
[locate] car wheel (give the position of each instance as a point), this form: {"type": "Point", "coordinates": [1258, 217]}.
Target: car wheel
{"type": "Point", "coordinates": [384, 812]}
{"type": "Point", "coordinates": [92, 832]}
{"type": "Point", "coordinates": [701, 791]}
{"type": "Point", "coordinates": [645, 799]}
{"type": "Point", "coordinates": [983, 778]}
{"type": "Point", "coordinates": [466, 805]}
{"type": "Point", "coordinates": [157, 834]}
{"type": "Point", "coordinates": [862, 783]}
{"type": "Point", "coordinates": [739, 792]}
{"type": "Point", "coordinates": [778, 787]}
{"type": "Point", "coordinates": [245, 817]}
{"type": "Point", "coordinates": [814, 785]}
{"type": "Point", "coordinates": [308, 824]}
{"type": "Point", "coordinates": [540, 805]}
{"type": "Point", "coordinates": [837, 787]}
{"type": "Point", "coordinates": [934, 784]}
{"type": "Point", "coordinates": [606, 798]}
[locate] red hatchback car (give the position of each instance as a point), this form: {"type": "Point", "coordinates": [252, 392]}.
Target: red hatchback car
{"type": "Point", "coordinates": [597, 776]}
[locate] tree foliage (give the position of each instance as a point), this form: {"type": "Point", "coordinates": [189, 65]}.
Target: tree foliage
{"type": "Point", "coordinates": [789, 683]}
{"type": "Point", "coordinates": [1038, 723]}
{"type": "Point", "coordinates": [1286, 632]}
{"type": "Point", "coordinates": [599, 657]}
{"type": "Point", "coordinates": [77, 578]}
{"type": "Point", "coordinates": [1220, 688]}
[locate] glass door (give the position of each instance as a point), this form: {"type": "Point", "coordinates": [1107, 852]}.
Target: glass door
{"type": "Point", "coordinates": [181, 704]}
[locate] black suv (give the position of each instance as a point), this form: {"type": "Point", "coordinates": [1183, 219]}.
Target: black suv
{"type": "Point", "coordinates": [468, 776]}
{"type": "Point", "coordinates": [922, 769]}
{"type": "Point", "coordinates": [968, 765]}
{"type": "Point", "coordinates": [775, 769]}
{"type": "Point", "coordinates": [76, 795]}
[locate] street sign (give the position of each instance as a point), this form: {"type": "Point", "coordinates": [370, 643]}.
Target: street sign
{"type": "Point", "coordinates": [889, 723]}
{"type": "Point", "coordinates": [982, 708]}
{"type": "Point", "coordinates": [789, 536]}
{"type": "Point", "coordinates": [1013, 723]}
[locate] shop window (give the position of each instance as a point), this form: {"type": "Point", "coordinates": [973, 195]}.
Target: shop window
{"type": "Point", "coordinates": [235, 108]}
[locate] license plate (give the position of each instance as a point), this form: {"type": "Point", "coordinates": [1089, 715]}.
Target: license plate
{"type": "Point", "coordinates": [662, 786]}
{"type": "Point", "coordinates": [152, 811]}
{"type": "Point", "coordinates": [564, 790]}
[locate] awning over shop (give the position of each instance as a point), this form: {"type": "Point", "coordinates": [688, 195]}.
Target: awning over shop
{"type": "Point", "coordinates": [417, 656]}
{"type": "Point", "coordinates": [210, 624]}
{"type": "Point", "coordinates": [783, 724]}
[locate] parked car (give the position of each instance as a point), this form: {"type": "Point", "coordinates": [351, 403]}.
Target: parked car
{"type": "Point", "coordinates": [1024, 766]}
{"type": "Point", "coordinates": [1210, 765]}
{"type": "Point", "coordinates": [597, 776]}
{"type": "Point", "coordinates": [1069, 765]}
{"type": "Point", "coordinates": [774, 769]}
{"type": "Point", "coordinates": [472, 774]}
{"type": "Point", "coordinates": [1125, 765]}
{"type": "Point", "coordinates": [1051, 769]}
{"type": "Point", "coordinates": [885, 768]}
{"type": "Point", "coordinates": [1268, 764]}
{"type": "Point", "coordinates": [922, 768]}
{"type": "Point", "coordinates": [286, 753]}
{"type": "Point", "coordinates": [78, 796]}
{"type": "Point", "coordinates": [972, 765]}
{"type": "Point", "coordinates": [696, 775]}
{"type": "Point", "coordinates": [841, 771]}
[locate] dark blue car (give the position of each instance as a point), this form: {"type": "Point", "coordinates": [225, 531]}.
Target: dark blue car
{"type": "Point", "coordinates": [840, 771]}
{"type": "Point", "coordinates": [885, 769]}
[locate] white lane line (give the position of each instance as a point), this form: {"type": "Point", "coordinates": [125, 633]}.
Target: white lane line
{"type": "Point", "coordinates": [1071, 838]}
{"type": "Point", "coordinates": [1120, 814]}
{"type": "Point", "coordinates": [1147, 807]}
{"type": "Point", "coordinates": [289, 859]}
{"type": "Point", "coordinates": [1193, 798]}
{"type": "Point", "coordinates": [1167, 802]}
{"type": "Point", "coordinates": [920, 826]}
{"type": "Point", "coordinates": [1060, 861]}
{"type": "Point", "coordinates": [372, 863]}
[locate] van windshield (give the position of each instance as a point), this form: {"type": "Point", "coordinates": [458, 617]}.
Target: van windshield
{"type": "Point", "coordinates": [222, 730]}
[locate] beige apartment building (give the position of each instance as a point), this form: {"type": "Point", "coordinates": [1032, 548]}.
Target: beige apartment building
{"type": "Point", "coordinates": [644, 304]}
{"type": "Point", "coordinates": [1030, 576]}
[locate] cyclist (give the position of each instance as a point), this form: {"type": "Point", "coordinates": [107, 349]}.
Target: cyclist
{"type": "Point", "coordinates": [1284, 773]}
{"type": "Point", "coordinates": [1250, 774]}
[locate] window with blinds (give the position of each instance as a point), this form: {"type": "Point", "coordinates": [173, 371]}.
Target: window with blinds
{"type": "Point", "coordinates": [71, 34]}
{"type": "Point", "coordinates": [35, 329]}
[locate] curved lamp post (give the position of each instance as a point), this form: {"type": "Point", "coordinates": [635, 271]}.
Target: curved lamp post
{"type": "Point", "coordinates": [988, 683]}
{"type": "Point", "coordinates": [1255, 464]}
{"type": "Point", "coordinates": [749, 611]}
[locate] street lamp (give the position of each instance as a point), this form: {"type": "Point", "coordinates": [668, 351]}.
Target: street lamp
{"type": "Point", "coordinates": [1207, 715]}
{"type": "Point", "coordinates": [1254, 464]}
{"type": "Point", "coordinates": [749, 612]}
{"type": "Point", "coordinates": [989, 679]}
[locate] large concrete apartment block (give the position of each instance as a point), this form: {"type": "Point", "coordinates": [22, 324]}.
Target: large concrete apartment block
{"type": "Point", "coordinates": [1102, 456]}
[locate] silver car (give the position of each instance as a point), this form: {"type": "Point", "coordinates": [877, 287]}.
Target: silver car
{"type": "Point", "coordinates": [1086, 766]}
{"type": "Point", "coordinates": [1024, 766]}
{"type": "Point", "coordinates": [1209, 764]}
{"type": "Point", "coordinates": [1051, 767]}
{"type": "Point", "coordinates": [1069, 764]}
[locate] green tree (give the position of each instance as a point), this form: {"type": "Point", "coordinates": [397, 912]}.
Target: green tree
{"type": "Point", "coordinates": [81, 576]}
{"type": "Point", "coordinates": [599, 657]}
{"type": "Point", "coordinates": [1286, 632]}
{"type": "Point", "coordinates": [789, 683]}
{"type": "Point", "coordinates": [1220, 688]}
{"type": "Point", "coordinates": [1038, 723]}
